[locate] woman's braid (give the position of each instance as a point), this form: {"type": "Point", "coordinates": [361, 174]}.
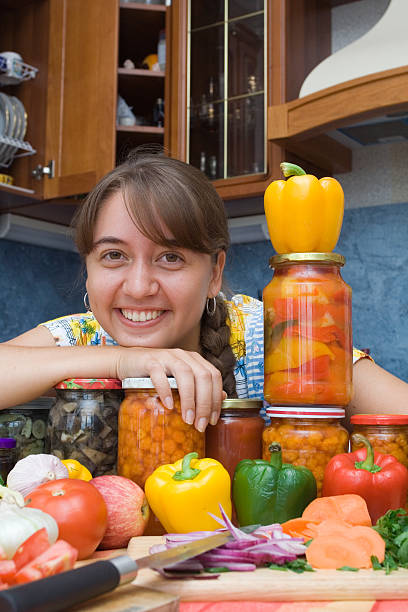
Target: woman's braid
{"type": "Point", "coordinates": [215, 346]}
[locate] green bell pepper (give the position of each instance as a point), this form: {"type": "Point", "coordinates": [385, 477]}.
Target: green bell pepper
{"type": "Point", "coordinates": [271, 492]}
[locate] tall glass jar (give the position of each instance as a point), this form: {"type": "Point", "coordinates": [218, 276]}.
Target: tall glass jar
{"type": "Point", "coordinates": [151, 435]}
{"type": "Point", "coordinates": [237, 434]}
{"type": "Point", "coordinates": [83, 422]}
{"type": "Point", "coordinates": [308, 436]}
{"type": "Point", "coordinates": [387, 433]}
{"type": "Point", "coordinates": [307, 331]}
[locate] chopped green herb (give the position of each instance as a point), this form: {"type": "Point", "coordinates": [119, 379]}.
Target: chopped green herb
{"type": "Point", "coordinates": [347, 568]}
{"type": "Point", "coordinates": [299, 566]}
{"type": "Point", "coordinates": [393, 528]}
{"type": "Point", "coordinates": [2, 483]}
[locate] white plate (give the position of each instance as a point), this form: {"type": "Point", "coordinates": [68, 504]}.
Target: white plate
{"type": "Point", "coordinates": [12, 130]}
{"type": "Point", "coordinates": [4, 123]}
{"type": "Point", "coordinates": [21, 111]}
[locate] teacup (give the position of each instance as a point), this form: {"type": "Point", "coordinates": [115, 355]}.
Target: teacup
{"type": "Point", "coordinates": [14, 63]}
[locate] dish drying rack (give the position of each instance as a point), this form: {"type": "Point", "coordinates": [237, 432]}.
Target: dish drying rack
{"type": "Point", "coordinates": [16, 143]}
{"type": "Point", "coordinates": [27, 72]}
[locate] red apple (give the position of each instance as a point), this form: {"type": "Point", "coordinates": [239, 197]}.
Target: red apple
{"type": "Point", "coordinates": [128, 510]}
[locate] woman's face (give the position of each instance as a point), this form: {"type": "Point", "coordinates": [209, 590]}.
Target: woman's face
{"type": "Point", "coordinates": [143, 293]}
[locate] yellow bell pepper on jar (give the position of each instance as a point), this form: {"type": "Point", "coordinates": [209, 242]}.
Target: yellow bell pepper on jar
{"type": "Point", "coordinates": [77, 470]}
{"type": "Point", "coordinates": [181, 494]}
{"type": "Point", "coordinates": [304, 214]}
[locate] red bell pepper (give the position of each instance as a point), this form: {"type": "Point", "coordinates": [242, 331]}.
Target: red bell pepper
{"type": "Point", "coordinates": [327, 334]}
{"type": "Point", "coordinates": [380, 479]}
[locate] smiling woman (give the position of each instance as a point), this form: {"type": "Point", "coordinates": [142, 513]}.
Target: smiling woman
{"type": "Point", "coordinates": [153, 234]}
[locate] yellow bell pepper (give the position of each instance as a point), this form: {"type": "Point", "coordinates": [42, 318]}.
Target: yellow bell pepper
{"type": "Point", "coordinates": [292, 352]}
{"type": "Point", "coordinates": [77, 470]}
{"type": "Point", "coordinates": [304, 214]}
{"type": "Point", "coordinates": [182, 493]}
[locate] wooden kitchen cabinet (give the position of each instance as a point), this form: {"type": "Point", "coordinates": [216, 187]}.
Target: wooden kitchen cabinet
{"type": "Point", "coordinates": [297, 36]}
{"type": "Point", "coordinates": [79, 48]}
{"type": "Point", "coordinates": [71, 103]}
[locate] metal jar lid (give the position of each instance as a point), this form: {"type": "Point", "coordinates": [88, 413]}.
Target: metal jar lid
{"type": "Point", "coordinates": [145, 383]}
{"type": "Point", "coordinates": [241, 404]}
{"type": "Point", "coordinates": [322, 258]}
{"type": "Point", "coordinates": [89, 383]}
{"type": "Point", "coordinates": [306, 412]}
{"type": "Point", "coordinates": [379, 419]}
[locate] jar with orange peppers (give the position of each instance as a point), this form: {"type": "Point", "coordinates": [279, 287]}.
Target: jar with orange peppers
{"type": "Point", "coordinates": [387, 433]}
{"type": "Point", "coordinates": [151, 435]}
{"type": "Point", "coordinates": [309, 436]}
{"type": "Point", "coordinates": [307, 331]}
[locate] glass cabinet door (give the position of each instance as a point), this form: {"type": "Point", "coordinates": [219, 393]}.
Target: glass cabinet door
{"type": "Point", "coordinates": [226, 118]}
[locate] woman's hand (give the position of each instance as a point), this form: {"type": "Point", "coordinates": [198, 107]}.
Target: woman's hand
{"type": "Point", "coordinates": [199, 382]}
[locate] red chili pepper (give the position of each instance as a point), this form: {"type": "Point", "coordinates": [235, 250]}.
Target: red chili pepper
{"type": "Point", "coordinates": [380, 479]}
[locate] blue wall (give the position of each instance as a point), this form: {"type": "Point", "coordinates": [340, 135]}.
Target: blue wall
{"type": "Point", "coordinates": [37, 284]}
{"type": "Point", "coordinates": [374, 241]}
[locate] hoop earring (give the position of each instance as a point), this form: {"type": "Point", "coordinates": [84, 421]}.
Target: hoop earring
{"type": "Point", "coordinates": [211, 311]}
{"type": "Point", "coordinates": [86, 302]}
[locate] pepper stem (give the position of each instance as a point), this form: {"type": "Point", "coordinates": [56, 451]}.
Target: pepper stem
{"type": "Point", "coordinates": [187, 472]}
{"type": "Point", "coordinates": [289, 169]}
{"type": "Point", "coordinates": [368, 463]}
{"type": "Point", "coordinates": [276, 455]}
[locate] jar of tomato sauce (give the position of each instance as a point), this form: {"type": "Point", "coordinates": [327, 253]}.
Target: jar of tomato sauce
{"type": "Point", "coordinates": [307, 331]}
{"type": "Point", "coordinates": [309, 436]}
{"type": "Point", "coordinates": [387, 433]}
{"type": "Point", "coordinates": [237, 434]}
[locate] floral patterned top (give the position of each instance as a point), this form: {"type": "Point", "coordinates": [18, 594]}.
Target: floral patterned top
{"type": "Point", "coordinates": [245, 318]}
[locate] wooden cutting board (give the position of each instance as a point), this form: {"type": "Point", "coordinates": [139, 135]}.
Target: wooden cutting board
{"type": "Point", "coordinates": [272, 585]}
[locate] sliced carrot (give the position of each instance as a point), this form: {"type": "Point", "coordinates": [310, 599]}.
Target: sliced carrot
{"type": "Point", "coordinates": [368, 538]}
{"type": "Point", "coordinates": [300, 528]}
{"type": "Point", "coordinates": [335, 551]}
{"type": "Point", "coordinates": [350, 508]}
{"type": "Point", "coordinates": [333, 527]}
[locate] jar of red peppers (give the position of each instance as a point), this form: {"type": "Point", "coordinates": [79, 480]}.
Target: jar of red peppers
{"type": "Point", "coordinates": [307, 331]}
{"type": "Point", "coordinates": [309, 436]}
{"type": "Point", "coordinates": [387, 433]}
{"type": "Point", "coordinates": [237, 434]}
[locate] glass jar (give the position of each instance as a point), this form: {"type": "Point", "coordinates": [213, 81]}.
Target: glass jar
{"type": "Point", "coordinates": [8, 457]}
{"type": "Point", "coordinates": [83, 422]}
{"type": "Point", "coordinates": [387, 433]}
{"type": "Point", "coordinates": [308, 436]}
{"type": "Point", "coordinates": [307, 331]}
{"type": "Point", "coordinates": [150, 434]}
{"type": "Point", "coordinates": [27, 424]}
{"type": "Point", "coordinates": [237, 434]}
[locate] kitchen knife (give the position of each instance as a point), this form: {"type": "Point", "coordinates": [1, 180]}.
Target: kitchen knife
{"type": "Point", "coordinates": [64, 590]}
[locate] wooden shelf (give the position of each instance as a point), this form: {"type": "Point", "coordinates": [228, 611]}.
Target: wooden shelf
{"type": "Point", "coordinates": [140, 72]}
{"type": "Point", "coordinates": [140, 129]}
{"type": "Point", "coordinates": [301, 125]}
{"type": "Point", "coordinates": [139, 6]}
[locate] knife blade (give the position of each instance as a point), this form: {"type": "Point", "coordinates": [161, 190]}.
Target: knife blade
{"type": "Point", "coordinates": [72, 587]}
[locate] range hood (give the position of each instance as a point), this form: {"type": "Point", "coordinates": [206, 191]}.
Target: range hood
{"type": "Point", "coordinates": [384, 47]}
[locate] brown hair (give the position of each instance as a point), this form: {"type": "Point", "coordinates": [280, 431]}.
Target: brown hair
{"type": "Point", "coordinates": [161, 192]}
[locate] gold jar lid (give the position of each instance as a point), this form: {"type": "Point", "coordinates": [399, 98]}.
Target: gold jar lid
{"type": "Point", "coordinates": [323, 258]}
{"type": "Point", "coordinates": [241, 404]}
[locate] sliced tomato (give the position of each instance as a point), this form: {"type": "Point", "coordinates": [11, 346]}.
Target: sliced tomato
{"type": "Point", "coordinates": [35, 545]}
{"type": "Point", "coordinates": [7, 571]}
{"type": "Point", "coordinates": [59, 557]}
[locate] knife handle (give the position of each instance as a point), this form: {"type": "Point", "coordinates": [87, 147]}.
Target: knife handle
{"type": "Point", "coordinates": [63, 590]}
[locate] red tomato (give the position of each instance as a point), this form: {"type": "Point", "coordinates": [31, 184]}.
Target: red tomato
{"type": "Point", "coordinates": [31, 548]}
{"type": "Point", "coordinates": [78, 508]}
{"type": "Point", "coordinates": [7, 571]}
{"type": "Point", "coordinates": [60, 557]}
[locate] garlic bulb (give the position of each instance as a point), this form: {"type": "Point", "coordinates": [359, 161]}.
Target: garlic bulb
{"type": "Point", "coordinates": [30, 472]}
